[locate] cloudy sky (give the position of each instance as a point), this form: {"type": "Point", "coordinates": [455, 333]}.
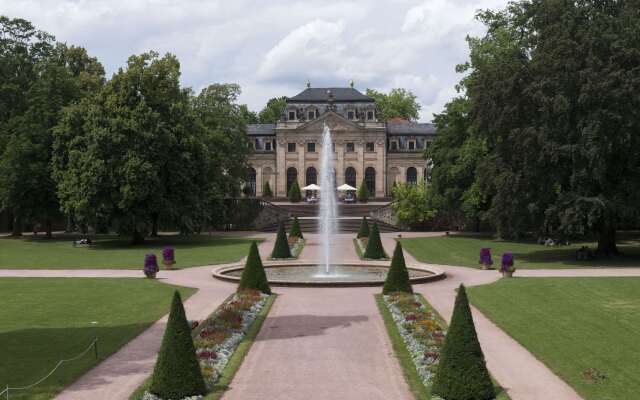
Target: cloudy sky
{"type": "Point", "coordinates": [271, 47]}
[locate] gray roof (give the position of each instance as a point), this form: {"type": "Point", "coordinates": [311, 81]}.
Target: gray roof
{"type": "Point", "coordinates": [320, 95]}
{"type": "Point", "coordinates": [261, 129]}
{"type": "Point", "coordinates": [410, 128]}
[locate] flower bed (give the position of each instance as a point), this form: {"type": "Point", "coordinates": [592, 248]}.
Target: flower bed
{"type": "Point", "coordinates": [422, 334]}
{"type": "Point", "coordinates": [218, 337]}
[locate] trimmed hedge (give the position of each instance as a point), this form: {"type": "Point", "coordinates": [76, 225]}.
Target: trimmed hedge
{"type": "Point", "coordinates": [294, 192]}
{"type": "Point", "coordinates": [374, 245]}
{"type": "Point", "coordinates": [462, 373]}
{"type": "Point", "coordinates": [398, 276]}
{"type": "Point", "coordinates": [281, 248]}
{"type": "Point", "coordinates": [295, 229]}
{"type": "Point", "coordinates": [363, 231]}
{"type": "Point", "coordinates": [363, 192]}
{"type": "Point", "coordinates": [253, 274]}
{"type": "Point", "coordinates": [266, 191]}
{"type": "Point", "coordinates": [177, 372]}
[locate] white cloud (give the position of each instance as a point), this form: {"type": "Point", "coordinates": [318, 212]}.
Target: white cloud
{"type": "Point", "coordinates": [271, 47]}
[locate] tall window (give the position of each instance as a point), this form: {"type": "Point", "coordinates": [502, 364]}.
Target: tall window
{"type": "Point", "coordinates": [351, 147]}
{"type": "Point", "coordinates": [370, 180]}
{"type": "Point", "coordinates": [311, 147]}
{"type": "Point", "coordinates": [412, 145]}
{"type": "Point", "coordinates": [251, 182]}
{"type": "Point", "coordinates": [292, 115]}
{"type": "Point", "coordinates": [312, 176]}
{"type": "Point", "coordinates": [291, 147]}
{"type": "Point", "coordinates": [350, 177]}
{"type": "Point", "coordinates": [412, 176]}
{"type": "Point", "coordinates": [292, 175]}
{"type": "Point", "coordinates": [370, 115]}
{"type": "Point", "coordinates": [351, 115]}
{"type": "Point", "coordinates": [311, 115]}
{"type": "Point", "coordinates": [371, 147]}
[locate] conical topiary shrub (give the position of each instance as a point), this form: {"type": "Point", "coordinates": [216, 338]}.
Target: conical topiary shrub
{"type": "Point", "coordinates": [398, 276]}
{"type": "Point", "coordinates": [295, 229]}
{"type": "Point", "coordinates": [374, 248]}
{"type": "Point", "coordinates": [253, 275]}
{"type": "Point", "coordinates": [281, 248]}
{"type": "Point", "coordinates": [177, 372]}
{"type": "Point", "coordinates": [462, 373]}
{"type": "Point", "coordinates": [363, 231]}
{"type": "Point", "coordinates": [363, 192]}
{"type": "Point", "coordinates": [266, 191]}
{"type": "Point", "coordinates": [294, 192]}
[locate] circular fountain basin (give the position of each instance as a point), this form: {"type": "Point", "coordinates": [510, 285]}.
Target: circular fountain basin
{"type": "Point", "coordinates": [310, 274]}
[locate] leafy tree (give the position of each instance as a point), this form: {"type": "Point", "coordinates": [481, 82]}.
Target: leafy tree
{"type": "Point", "coordinates": [363, 231]}
{"type": "Point", "coordinates": [135, 151]}
{"type": "Point", "coordinates": [374, 248]}
{"type": "Point", "coordinates": [399, 103]}
{"type": "Point", "coordinates": [253, 274]}
{"type": "Point", "coordinates": [177, 372]}
{"type": "Point", "coordinates": [281, 247]}
{"type": "Point", "coordinates": [250, 117]}
{"type": "Point", "coordinates": [462, 373]}
{"type": "Point", "coordinates": [455, 155]}
{"type": "Point", "coordinates": [273, 110]}
{"type": "Point", "coordinates": [398, 277]}
{"type": "Point", "coordinates": [363, 192]}
{"type": "Point", "coordinates": [266, 191]}
{"type": "Point", "coordinates": [295, 195]}
{"type": "Point", "coordinates": [411, 204]}
{"type": "Point", "coordinates": [295, 229]}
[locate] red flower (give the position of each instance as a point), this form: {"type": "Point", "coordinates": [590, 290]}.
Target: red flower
{"type": "Point", "coordinates": [410, 317]}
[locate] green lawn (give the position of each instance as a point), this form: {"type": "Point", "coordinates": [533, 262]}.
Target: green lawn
{"type": "Point", "coordinates": [116, 252]}
{"type": "Point", "coordinates": [44, 320]}
{"type": "Point", "coordinates": [465, 251]}
{"type": "Point", "coordinates": [579, 327]}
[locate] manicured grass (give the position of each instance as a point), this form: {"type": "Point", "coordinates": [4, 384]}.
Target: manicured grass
{"type": "Point", "coordinates": [573, 325]}
{"type": "Point", "coordinates": [417, 388]}
{"type": "Point", "coordinates": [44, 320]}
{"type": "Point", "coordinates": [464, 251]}
{"type": "Point", "coordinates": [116, 252]}
{"type": "Point", "coordinates": [234, 362]}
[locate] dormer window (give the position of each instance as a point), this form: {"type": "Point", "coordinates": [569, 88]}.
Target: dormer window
{"type": "Point", "coordinates": [311, 115]}
{"type": "Point", "coordinates": [351, 115]}
{"type": "Point", "coordinates": [370, 115]}
{"type": "Point", "coordinates": [292, 115]}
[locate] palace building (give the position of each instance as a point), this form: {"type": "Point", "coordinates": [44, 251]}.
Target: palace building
{"type": "Point", "coordinates": [365, 147]}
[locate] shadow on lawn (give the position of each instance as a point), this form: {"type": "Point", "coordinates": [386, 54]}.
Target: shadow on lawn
{"type": "Point", "coordinates": [30, 354]}
{"type": "Point", "coordinates": [293, 326]}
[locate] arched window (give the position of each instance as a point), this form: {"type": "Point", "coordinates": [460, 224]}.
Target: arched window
{"type": "Point", "coordinates": [292, 175]}
{"type": "Point", "coordinates": [251, 182]}
{"type": "Point", "coordinates": [370, 180]}
{"type": "Point", "coordinates": [412, 176]}
{"type": "Point", "coordinates": [312, 176]}
{"type": "Point", "coordinates": [350, 177]}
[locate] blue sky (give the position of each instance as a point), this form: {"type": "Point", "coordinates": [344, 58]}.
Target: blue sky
{"type": "Point", "coordinates": [270, 47]}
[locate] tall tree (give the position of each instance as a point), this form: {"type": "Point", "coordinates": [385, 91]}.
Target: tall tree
{"type": "Point", "coordinates": [134, 151]}
{"type": "Point", "coordinates": [273, 110]}
{"type": "Point", "coordinates": [398, 103]}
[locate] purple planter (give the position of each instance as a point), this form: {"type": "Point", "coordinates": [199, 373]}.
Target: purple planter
{"type": "Point", "coordinates": [150, 265]}
{"type": "Point", "coordinates": [507, 262]}
{"type": "Point", "coordinates": [485, 257]}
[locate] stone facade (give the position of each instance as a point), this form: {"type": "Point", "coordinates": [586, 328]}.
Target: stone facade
{"type": "Point", "coordinates": [365, 148]}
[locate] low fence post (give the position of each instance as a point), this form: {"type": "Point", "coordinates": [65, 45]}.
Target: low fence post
{"type": "Point", "coordinates": [7, 390]}
{"type": "Point", "coordinates": [95, 348]}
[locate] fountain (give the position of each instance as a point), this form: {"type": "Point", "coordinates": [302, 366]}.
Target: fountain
{"type": "Point", "coordinates": [328, 273]}
{"type": "Point", "coordinates": [328, 206]}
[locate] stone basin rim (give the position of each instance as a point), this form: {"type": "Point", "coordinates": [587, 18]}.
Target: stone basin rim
{"type": "Point", "coordinates": [221, 273]}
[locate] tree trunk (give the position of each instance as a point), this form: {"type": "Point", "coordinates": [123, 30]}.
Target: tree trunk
{"type": "Point", "coordinates": [137, 237]}
{"type": "Point", "coordinates": [154, 226]}
{"type": "Point", "coordinates": [476, 225]}
{"type": "Point", "coordinates": [607, 242]}
{"type": "Point", "coordinates": [16, 229]}
{"type": "Point", "coordinates": [49, 227]}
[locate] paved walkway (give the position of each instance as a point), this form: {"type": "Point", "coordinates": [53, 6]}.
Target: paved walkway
{"type": "Point", "coordinates": [322, 343]}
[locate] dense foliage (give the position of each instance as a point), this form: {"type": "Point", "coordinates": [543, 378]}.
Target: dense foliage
{"type": "Point", "coordinates": [177, 372]}
{"type": "Point", "coordinates": [374, 248]}
{"type": "Point", "coordinates": [398, 103]}
{"type": "Point", "coordinates": [462, 373]}
{"type": "Point", "coordinates": [548, 122]}
{"type": "Point", "coordinates": [411, 204]}
{"type": "Point", "coordinates": [272, 112]}
{"type": "Point", "coordinates": [253, 274]}
{"type": "Point", "coordinates": [398, 277]}
{"type": "Point", "coordinates": [295, 195]}
{"type": "Point", "coordinates": [363, 230]}
{"type": "Point", "coordinates": [281, 247]}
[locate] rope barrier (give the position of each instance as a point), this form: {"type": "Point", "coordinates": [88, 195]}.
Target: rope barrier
{"type": "Point", "coordinates": [93, 345]}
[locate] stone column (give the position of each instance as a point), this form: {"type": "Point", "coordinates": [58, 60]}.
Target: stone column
{"type": "Point", "coordinates": [280, 174]}
{"type": "Point", "coordinates": [340, 178]}
{"type": "Point", "coordinates": [301, 167]}
{"type": "Point", "coordinates": [259, 183]}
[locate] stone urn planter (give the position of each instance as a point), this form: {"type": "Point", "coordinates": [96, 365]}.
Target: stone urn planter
{"type": "Point", "coordinates": [507, 274]}
{"type": "Point", "coordinates": [507, 267]}
{"type": "Point", "coordinates": [150, 266]}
